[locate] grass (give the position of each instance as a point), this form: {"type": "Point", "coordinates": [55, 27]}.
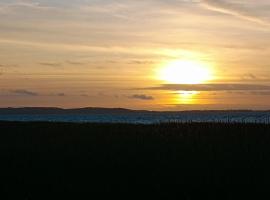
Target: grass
{"type": "Point", "coordinates": [79, 161]}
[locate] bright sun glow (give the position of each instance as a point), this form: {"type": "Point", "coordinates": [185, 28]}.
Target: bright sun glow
{"type": "Point", "coordinates": [185, 72]}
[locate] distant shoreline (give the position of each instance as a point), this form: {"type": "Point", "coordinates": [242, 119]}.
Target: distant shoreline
{"type": "Point", "coordinates": [120, 115]}
{"type": "Point", "coordinates": [98, 110]}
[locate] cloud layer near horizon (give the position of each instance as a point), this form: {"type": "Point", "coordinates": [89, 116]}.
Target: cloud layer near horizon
{"type": "Point", "coordinates": [211, 87]}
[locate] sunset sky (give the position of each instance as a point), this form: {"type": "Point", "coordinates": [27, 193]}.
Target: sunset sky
{"type": "Point", "coordinates": [138, 54]}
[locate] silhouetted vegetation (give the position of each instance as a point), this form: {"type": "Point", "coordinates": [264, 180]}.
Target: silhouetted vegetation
{"type": "Point", "coordinates": [80, 161]}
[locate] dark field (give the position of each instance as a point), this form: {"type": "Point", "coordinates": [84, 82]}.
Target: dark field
{"type": "Point", "coordinates": [92, 161]}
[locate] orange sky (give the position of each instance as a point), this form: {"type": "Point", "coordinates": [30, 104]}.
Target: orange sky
{"type": "Point", "coordinates": [116, 53]}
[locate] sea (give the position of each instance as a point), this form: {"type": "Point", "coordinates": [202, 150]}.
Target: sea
{"type": "Point", "coordinates": [262, 117]}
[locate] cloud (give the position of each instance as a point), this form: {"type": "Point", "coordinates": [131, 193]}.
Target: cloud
{"type": "Point", "coordinates": [211, 87]}
{"type": "Point", "coordinates": [263, 93]}
{"type": "Point", "coordinates": [1, 69]}
{"type": "Point", "coordinates": [249, 76]}
{"type": "Point", "coordinates": [8, 65]}
{"type": "Point", "coordinates": [141, 62]}
{"type": "Point", "coordinates": [74, 62]}
{"type": "Point", "coordinates": [61, 94]}
{"type": "Point", "coordinates": [23, 4]}
{"type": "Point", "coordinates": [135, 50]}
{"type": "Point", "coordinates": [236, 9]}
{"type": "Point", "coordinates": [24, 92]}
{"type": "Point", "coordinates": [50, 64]}
{"type": "Point", "coordinates": [142, 97]}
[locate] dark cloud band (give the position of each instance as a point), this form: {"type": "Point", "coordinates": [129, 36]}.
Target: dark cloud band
{"type": "Point", "coordinates": [141, 97]}
{"type": "Point", "coordinates": [211, 87]}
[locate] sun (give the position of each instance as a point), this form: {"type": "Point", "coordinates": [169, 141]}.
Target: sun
{"type": "Point", "coordinates": [185, 72]}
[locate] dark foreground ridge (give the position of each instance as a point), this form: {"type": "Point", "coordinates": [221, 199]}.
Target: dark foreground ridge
{"type": "Point", "coordinates": [81, 161]}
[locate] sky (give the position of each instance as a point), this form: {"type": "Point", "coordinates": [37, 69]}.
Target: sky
{"type": "Point", "coordinates": [137, 54]}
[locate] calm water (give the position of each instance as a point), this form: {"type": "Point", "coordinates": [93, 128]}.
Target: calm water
{"type": "Point", "coordinates": [254, 117]}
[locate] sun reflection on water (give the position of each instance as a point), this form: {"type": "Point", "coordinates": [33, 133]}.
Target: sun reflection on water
{"type": "Point", "coordinates": [187, 97]}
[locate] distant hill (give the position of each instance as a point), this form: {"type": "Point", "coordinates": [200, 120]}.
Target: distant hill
{"type": "Point", "coordinates": [52, 110]}
{"type": "Point", "coordinates": [95, 110]}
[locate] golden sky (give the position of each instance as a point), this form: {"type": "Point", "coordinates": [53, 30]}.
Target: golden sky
{"type": "Point", "coordinates": [150, 54]}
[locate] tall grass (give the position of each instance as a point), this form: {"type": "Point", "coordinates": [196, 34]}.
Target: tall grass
{"type": "Point", "coordinates": [188, 159]}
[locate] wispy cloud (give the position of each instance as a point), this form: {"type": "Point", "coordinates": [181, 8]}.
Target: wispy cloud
{"type": "Point", "coordinates": [22, 5]}
{"type": "Point", "coordinates": [84, 95]}
{"type": "Point", "coordinates": [1, 69]}
{"type": "Point", "coordinates": [134, 50]}
{"type": "Point", "coordinates": [263, 93]}
{"type": "Point", "coordinates": [141, 62]}
{"type": "Point", "coordinates": [236, 9]}
{"type": "Point", "coordinates": [50, 64]}
{"type": "Point", "coordinates": [142, 97]}
{"type": "Point", "coordinates": [61, 94]}
{"type": "Point", "coordinates": [24, 92]}
{"type": "Point", "coordinates": [75, 62]}
{"type": "Point", "coordinates": [249, 76]}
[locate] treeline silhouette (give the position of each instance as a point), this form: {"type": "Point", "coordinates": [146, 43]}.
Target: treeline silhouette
{"type": "Point", "coordinates": [42, 160]}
